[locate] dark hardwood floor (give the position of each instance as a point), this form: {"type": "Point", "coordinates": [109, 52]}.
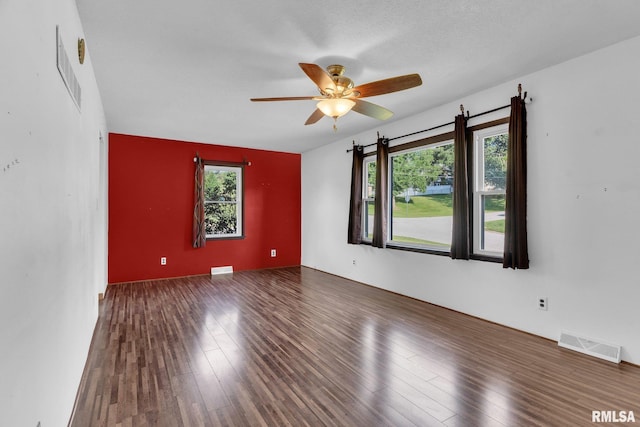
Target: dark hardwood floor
{"type": "Point", "coordinates": [295, 347]}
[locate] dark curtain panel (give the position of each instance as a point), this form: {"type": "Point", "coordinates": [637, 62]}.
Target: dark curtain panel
{"type": "Point", "coordinates": [355, 204]}
{"type": "Point", "coordinates": [381, 213]}
{"type": "Point", "coordinates": [460, 239]}
{"type": "Point", "coordinates": [199, 229]}
{"type": "Point", "coordinates": [515, 234]}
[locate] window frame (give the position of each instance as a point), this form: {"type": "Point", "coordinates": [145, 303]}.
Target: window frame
{"type": "Point", "coordinates": [434, 140]}
{"type": "Point", "coordinates": [365, 199]}
{"type": "Point", "coordinates": [411, 148]}
{"type": "Point", "coordinates": [479, 192]}
{"type": "Point", "coordinates": [239, 168]}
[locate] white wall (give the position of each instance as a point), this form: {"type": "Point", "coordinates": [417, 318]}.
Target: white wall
{"type": "Point", "coordinates": [583, 209]}
{"type": "Point", "coordinates": [52, 214]}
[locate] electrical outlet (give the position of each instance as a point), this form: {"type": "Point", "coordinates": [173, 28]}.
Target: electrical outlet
{"type": "Point", "coordinates": [543, 303]}
{"type": "Point", "coordinates": [163, 260]}
{"type": "Point", "coordinates": [354, 262]}
{"type": "Point", "coordinates": [273, 253]}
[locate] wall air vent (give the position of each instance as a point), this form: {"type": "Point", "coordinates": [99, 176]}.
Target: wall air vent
{"type": "Point", "coordinates": [610, 352]}
{"type": "Point", "coordinates": [66, 71]}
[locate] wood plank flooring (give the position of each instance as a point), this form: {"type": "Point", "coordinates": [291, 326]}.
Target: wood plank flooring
{"type": "Point", "coordinates": [296, 347]}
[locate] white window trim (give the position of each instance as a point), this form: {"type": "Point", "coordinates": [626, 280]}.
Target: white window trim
{"type": "Point", "coordinates": [365, 199]}
{"type": "Point", "coordinates": [478, 185]}
{"type": "Point", "coordinates": [239, 200]}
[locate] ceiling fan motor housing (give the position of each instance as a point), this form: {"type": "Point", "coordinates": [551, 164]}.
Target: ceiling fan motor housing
{"type": "Point", "coordinates": [335, 70]}
{"type": "Point", "coordinates": [342, 82]}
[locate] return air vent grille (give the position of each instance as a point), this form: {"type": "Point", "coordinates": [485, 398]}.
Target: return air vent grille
{"type": "Point", "coordinates": [66, 71]}
{"type": "Point", "coordinates": [610, 352]}
{"type": "Point", "coordinates": [221, 270]}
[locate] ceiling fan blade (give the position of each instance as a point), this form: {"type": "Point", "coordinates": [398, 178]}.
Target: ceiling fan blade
{"type": "Point", "coordinates": [285, 98]}
{"type": "Point", "coordinates": [372, 110]}
{"type": "Point", "coordinates": [393, 84]}
{"type": "Point", "coordinates": [314, 117]}
{"type": "Point", "coordinates": [319, 76]}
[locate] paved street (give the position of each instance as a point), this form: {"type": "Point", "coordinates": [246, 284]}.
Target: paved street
{"type": "Point", "coordinates": [438, 229]}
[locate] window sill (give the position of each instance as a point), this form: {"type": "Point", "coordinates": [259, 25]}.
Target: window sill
{"type": "Point", "coordinates": [486, 258]}
{"type": "Point", "coordinates": [419, 249]}
{"type": "Point", "coordinates": [447, 253]}
{"type": "Point", "coordinates": [210, 239]}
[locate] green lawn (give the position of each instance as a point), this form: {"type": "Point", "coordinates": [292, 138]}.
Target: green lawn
{"type": "Point", "coordinates": [497, 225]}
{"type": "Point", "coordinates": [433, 205]}
{"type": "Point", "coordinates": [406, 239]}
{"type": "Point", "coordinates": [423, 206]}
{"type": "Point", "coordinates": [419, 241]}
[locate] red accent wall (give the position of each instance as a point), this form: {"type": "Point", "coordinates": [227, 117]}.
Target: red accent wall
{"type": "Point", "coordinates": [151, 209]}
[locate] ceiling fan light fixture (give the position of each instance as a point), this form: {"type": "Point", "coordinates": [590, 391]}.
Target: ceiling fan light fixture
{"type": "Point", "coordinates": [338, 95]}
{"type": "Point", "coordinates": [336, 107]}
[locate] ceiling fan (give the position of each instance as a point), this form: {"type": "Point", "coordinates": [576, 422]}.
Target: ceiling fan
{"type": "Point", "coordinates": [338, 95]}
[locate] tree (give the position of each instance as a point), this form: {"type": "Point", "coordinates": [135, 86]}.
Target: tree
{"type": "Point", "coordinates": [220, 201]}
{"type": "Point", "coordinates": [421, 168]}
{"type": "Point", "coordinates": [495, 161]}
{"type": "Point", "coordinates": [371, 179]}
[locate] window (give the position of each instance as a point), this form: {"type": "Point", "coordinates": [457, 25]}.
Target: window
{"type": "Point", "coordinates": [368, 200]}
{"type": "Point", "coordinates": [490, 165]}
{"type": "Point", "coordinates": [421, 192]}
{"type": "Point", "coordinates": [421, 187]}
{"type": "Point", "coordinates": [223, 197]}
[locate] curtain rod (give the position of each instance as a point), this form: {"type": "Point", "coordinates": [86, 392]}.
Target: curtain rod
{"type": "Point", "coordinates": [439, 126]}
{"type": "Point", "coordinates": [244, 162]}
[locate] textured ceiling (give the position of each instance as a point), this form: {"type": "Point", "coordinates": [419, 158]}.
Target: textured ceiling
{"type": "Point", "coordinates": [186, 69]}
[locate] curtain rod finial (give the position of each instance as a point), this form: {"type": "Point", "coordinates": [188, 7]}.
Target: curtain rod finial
{"type": "Point", "coordinates": [519, 89]}
{"type": "Point", "coordinates": [462, 108]}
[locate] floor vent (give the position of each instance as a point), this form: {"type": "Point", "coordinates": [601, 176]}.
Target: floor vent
{"type": "Point", "coordinates": [66, 71]}
{"type": "Point", "coordinates": [610, 352]}
{"type": "Point", "coordinates": [221, 270]}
